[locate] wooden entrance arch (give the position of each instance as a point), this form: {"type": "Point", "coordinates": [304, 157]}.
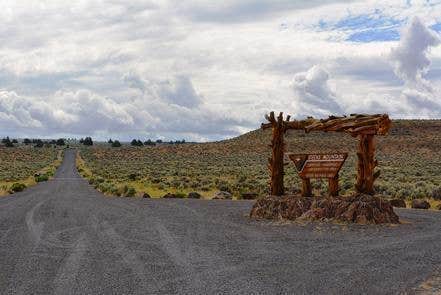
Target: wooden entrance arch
{"type": "Point", "coordinates": [365, 127]}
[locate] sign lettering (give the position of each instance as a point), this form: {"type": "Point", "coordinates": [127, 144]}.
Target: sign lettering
{"type": "Point", "coordinates": [318, 165]}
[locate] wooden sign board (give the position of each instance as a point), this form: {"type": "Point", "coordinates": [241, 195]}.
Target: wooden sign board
{"type": "Point", "coordinates": [318, 165]}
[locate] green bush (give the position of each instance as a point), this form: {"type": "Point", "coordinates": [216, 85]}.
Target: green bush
{"type": "Point", "coordinates": [17, 187]}
{"type": "Point", "coordinates": [436, 193]}
{"type": "Point", "coordinates": [180, 195]}
{"type": "Point", "coordinates": [130, 192]}
{"type": "Point", "coordinates": [41, 177]}
{"type": "Point", "coordinates": [133, 176]}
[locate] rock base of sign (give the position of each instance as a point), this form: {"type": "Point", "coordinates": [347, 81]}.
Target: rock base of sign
{"type": "Point", "coordinates": [358, 208]}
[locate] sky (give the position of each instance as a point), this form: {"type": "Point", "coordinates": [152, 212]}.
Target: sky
{"type": "Point", "coordinates": [208, 70]}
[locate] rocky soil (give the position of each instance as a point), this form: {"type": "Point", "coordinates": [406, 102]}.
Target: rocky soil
{"type": "Point", "coordinates": [358, 208]}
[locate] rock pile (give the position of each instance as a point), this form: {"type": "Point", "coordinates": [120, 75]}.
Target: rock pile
{"type": "Point", "coordinates": [222, 195]}
{"type": "Point", "coordinates": [358, 208]}
{"type": "Point", "coordinates": [420, 204]}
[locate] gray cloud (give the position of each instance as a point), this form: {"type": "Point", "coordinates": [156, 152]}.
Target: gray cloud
{"type": "Point", "coordinates": [156, 110]}
{"type": "Point", "coordinates": [410, 58]}
{"type": "Point", "coordinates": [411, 63]}
{"type": "Point", "coordinates": [229, 11]}
{"type": "Point", "coordinates": [313, 95]}
{"type": "Point", "coordinates": [199, 69]}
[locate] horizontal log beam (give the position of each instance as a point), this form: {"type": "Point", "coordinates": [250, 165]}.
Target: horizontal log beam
{"type": "Point", "coordinates": [355, 124]}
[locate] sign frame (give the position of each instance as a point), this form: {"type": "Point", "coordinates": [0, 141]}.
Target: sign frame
{"type": "Point", "coordinates": [316, 166]}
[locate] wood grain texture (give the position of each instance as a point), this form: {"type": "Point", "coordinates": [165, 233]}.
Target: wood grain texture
{"type": "Point", "coordinates": [357, 125]}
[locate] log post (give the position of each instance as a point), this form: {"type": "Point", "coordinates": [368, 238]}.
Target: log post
{"type": "Point", "coordinates": [306, 188]}
{"type": "Point", "coordinates": [278, 149]}
{"type": "Point", "coordinates": [333, 186]}
{"type": "Point", "coordinates": [366, 164]}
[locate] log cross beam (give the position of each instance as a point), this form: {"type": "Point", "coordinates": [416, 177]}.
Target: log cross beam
{"type": "Point", "coordinates": [365, 127]}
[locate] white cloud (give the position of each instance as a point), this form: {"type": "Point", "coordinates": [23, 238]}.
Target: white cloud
{"type": "Point", "coordinates": [313, 95]}
{"type": "Point", "coordinates": [196, 68]}
{"type": "Point", "coordinates": [411, 63]}
{"type": "Point", "coordinates": [410, 56]}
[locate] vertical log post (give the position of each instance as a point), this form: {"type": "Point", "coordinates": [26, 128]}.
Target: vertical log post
{"type": "Point", "coordinates": [306, 188]}
{"type": "Point", "coordinates": [366, 164]}
{"type": "Point", "coordinates": [333, 186]}
{"type": "Point", "coordinates": [276, 160]}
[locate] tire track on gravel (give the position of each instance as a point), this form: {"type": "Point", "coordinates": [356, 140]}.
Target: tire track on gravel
{"type": "Point", "coordinates": [64, 282]}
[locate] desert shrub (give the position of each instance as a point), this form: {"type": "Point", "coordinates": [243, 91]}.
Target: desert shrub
{"type": "Point", "coordinates": [156, 180]}
{"type": "Point", "coordinates": [436, 193]}
{"type": "Point", "coordinates": [99, 179]}
{"type": "Point", "coordinates": [403, 193]}
{"type": "Point", "coordinates": [130, 192]}
{"type": "Point", "coordinates": [122, 190]}
{"type": "Point", "coordinates": [180, 195]}
{"type": "Point", "coordinates": [133, 176]}
{"type": "Point", "coordinates": [18, 187]}
{"type": "Point", "coordinates": [41, 177]}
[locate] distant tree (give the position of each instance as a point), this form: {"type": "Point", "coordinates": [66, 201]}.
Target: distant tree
{"type": "Point", "coordinates": [53, 141]}
{"type": "Point", "coordinates": [116, 143]}
{"type": "Point", "coordinates": [27, 141]}
{"type": "Point", "coordinates": [149, 142]}
{"type": "Point", "coordinates": [88, 141]}
{"type": "Point", "coordinates": [6, 140]}
{"type": "Point", "coordinates": [60, 141]}
{"type": "Point", "coordinates": [14, 141]}
{"type": "Point", "coordinates": [38, 143]}
{"type": "Point", "coordinates": [110, 141]}
{"type": "Point", "coordinates": [136, 142]}
{"type": "Point", "coordinates": [82, 140]}
{"type": "Point", "coordinates": [159, 141]}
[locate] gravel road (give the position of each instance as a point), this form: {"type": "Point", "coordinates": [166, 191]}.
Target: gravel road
{"type": "Point", "coordinates": [63, 237]}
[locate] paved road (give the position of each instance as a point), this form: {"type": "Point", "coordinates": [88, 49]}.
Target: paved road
{"type": "Point", "coordinates": [63, 237]}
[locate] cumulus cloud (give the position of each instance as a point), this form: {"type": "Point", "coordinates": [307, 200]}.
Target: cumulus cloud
{"type": "Point", "coordinates": [157, 109]}
{"type": "Point", "coordinates": [312, 94]}
{"type": "Point", "coordinates": [203, 69]}
{"type": "Point", "coordinates": [228, 11]}
{"type": "Point", "coordinates": [410, 58]}
{"type": "Point", "coordinates": [411, 62]}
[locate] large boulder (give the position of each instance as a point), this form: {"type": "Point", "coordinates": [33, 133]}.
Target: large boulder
{"type": "Point", "coordinates": [358, 208]}
{"type": "Point", "coordinates": [222, 195]}
{"type": "Point", "coordinates": [420, 204]}
{"type": "Point", "coordinates": [248, 196]}
{"type": "Point", "coordinates": [399, 203]}
{"type": "Point", "coordinates": [194, 195]}
{"type": "Point", "coordinates": [146, 196]}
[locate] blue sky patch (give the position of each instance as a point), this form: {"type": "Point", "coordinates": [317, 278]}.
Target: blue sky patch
{"type": "Point", "coordinates": [366, 27]}
{"type": "Point", "coordinates": [436, 27]}
{"type": "Point", "coordinates": [374, 35]}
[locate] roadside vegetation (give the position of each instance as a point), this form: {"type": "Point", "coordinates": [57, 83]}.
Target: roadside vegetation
{"type": "Point", "coordinates": [23, 165]}
{"type": "Point", "coordinates": [409, 160]}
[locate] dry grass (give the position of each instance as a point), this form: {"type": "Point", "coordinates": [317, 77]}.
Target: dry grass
{"type": "Point", "coordinates": [409, 159]}
{"type": "Point", "coordinates": [19, 164]}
